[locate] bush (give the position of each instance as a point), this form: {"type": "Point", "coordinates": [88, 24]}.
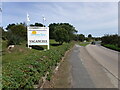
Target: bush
{"type": "Point", "coordinates": [61, 35]}
{"type": "Point", "coordinates": [111, 41]}
{"type": "Point", "coordinates": [62, 32]}
{"type": "Point", "coordinates": [13, 39]}
{"type": "Point", "coordinates": [18, 29]}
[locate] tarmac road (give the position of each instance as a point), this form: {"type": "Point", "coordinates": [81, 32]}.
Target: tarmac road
{"type": "Point", "coordinates": [79, 75]}
{"type": "Point", "coordinates": [93, 67]}
{"type": "Point", "coordinates": [106, 57]}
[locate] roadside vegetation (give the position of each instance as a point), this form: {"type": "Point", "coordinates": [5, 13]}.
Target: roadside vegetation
{"type": "Point", "coordinates": [82, 40]}
{"type": "Point", "coordinates": [83, 43]}
{"type": "Point", "coordinates": [23, 67]}
{"type": "Point", "coordinates": [111, 41]}
{"type": "Point", "coordinates": [113, 47]}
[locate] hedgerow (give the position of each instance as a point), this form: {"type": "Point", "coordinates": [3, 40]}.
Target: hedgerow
{"type": "Point", "coordinates": [111, 41]}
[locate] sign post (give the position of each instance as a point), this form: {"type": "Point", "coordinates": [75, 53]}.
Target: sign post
{"type": "Point", "coordinates": [48, 39]}
{"type": "Point", "coordinates": [28, 20]}
{"type": "Point", "coordinates": [38, 36]}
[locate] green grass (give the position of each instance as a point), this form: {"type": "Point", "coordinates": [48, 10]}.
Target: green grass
{"type": "Point", "coordinates": [83, 43]}
{"type": "Point", "coordinates": [23, 67]}
{"type": "Point", "coordinates": [113, 47]}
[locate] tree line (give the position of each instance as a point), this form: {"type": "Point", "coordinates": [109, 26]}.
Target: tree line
{"type": "Point", "coordinates": [16, 33]}
{"type": "Point", "coordinates": [111, 39]}
{"type": "Point", "coordinates": [60, 32]}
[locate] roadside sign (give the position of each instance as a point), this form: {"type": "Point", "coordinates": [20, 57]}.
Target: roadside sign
{"type": "Point", "coordinates": [38, 35]}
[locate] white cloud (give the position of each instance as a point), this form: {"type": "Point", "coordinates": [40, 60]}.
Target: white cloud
{"type": "Point", "coordinates": [86, 17]}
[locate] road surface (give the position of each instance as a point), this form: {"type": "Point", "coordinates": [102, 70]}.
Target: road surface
{"type": "Point", "coordinates": [93, 67]}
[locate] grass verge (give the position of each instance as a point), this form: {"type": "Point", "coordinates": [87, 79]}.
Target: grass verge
{"type": "Point", "coordinates": [83, 43]}
{"type": "Point", "coordinates": [113, 47]}
{"type": "Point", "coordinates": [23, 67]}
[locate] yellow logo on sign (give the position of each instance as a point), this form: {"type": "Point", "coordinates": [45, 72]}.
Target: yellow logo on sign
{"type": "Point", "coordinates": [34, 32]}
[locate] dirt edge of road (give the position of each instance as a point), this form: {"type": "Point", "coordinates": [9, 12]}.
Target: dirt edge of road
{"type": "Point", "coordinates": [61, 78]}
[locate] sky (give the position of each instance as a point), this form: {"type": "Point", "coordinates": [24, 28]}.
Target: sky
{"type": "Point", "coordinates": [96, 18]}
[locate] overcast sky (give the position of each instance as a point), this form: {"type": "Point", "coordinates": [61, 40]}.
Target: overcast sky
{"type": "Point", "coordinates": [96, 18]}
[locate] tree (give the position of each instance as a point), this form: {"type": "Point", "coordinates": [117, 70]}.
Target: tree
{"type": "Point", "coordinates": [16, 33]}
{"type": "Point", "coordinates": [19, 30]}
{"type": "Point", "coordinates": [97, 38]}
{"type": "Point", "coordinates": [37, 24]}
{"type": "Point", "coordinates": [111, 39]}
{"type": "Point", "coordinates": [3, 33]}
{"type": "Point", "coordinates": [81, 37]}
{"type": "Point", "coordinates": [10, 26]}
{"type": "Point", "coordinates": [76, 37]}
{"type": "Point", "coordinates": [119, 41]}
{"type": "Point", "coordinates": [61, 35]}
{"type": "Point", "coordinates": [69, 28]}
{"type": "Point", "coordinates": [52, 29]}
{"type": "Point", "coordinates": [89, 36]}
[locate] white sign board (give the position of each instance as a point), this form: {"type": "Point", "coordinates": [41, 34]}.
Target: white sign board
{"type": "Point", "coordinates": [38, 36]}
